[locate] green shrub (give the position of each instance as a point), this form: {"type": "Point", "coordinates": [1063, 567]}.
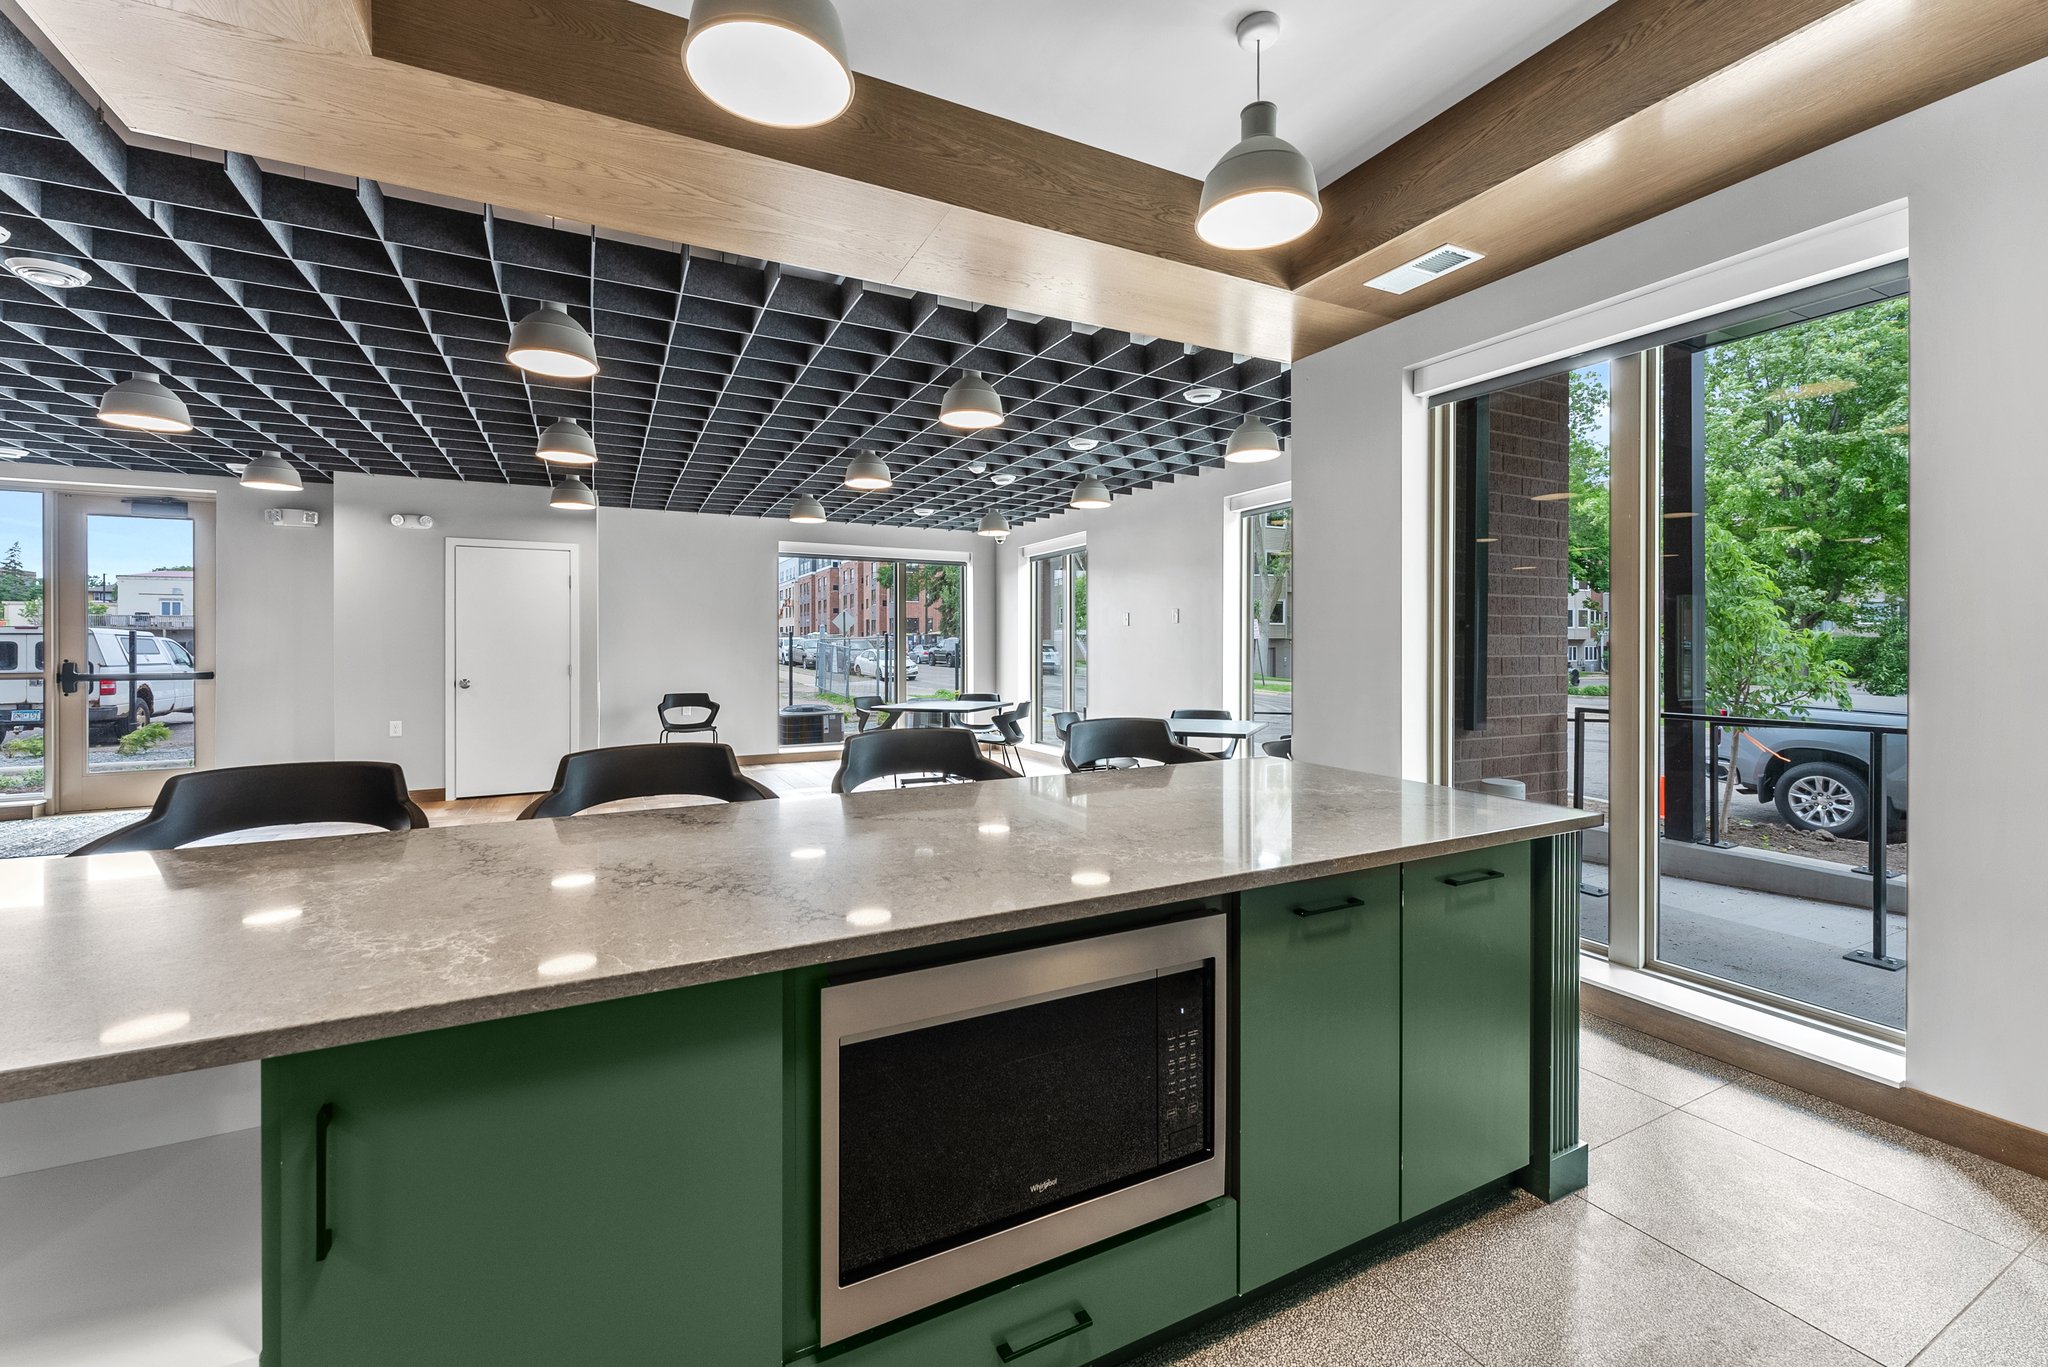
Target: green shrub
{"type": "Point", "coordinates": [1589, 690]}
{"type": "Point", "coordinates": [28, 781]}
{"type": "Point", "coordinates": [24, 747]}
{"type": "Point", "coordinates": [144, 737]}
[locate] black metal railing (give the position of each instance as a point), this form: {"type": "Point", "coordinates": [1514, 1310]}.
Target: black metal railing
{"type": "Point", "coordinates": [1579, 717]}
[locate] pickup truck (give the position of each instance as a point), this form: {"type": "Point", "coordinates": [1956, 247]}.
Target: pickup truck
{"type": "Point", "coordinates": [113, 707]}
{"type": "Point", "coordinates": [1820, 778]}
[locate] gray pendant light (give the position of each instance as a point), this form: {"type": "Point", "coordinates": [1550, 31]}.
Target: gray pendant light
{"type": "Point", "coordinates": [1091, 492]}
{"type": "Point", "coordinates": [777, 62]}
{"type": "Point", "coordinates": [566, 443]}
{"type": "Point", "coordinates": [550, 342]}
{"type": "Point", "coordinates": [807, 509]}
{"type": "Point", "coordinates": [971, 403]}
{"type": "Point", "coordinates": [143, 403]}
{"type": "Point", "coordinates": [1263, 192]}
{"type": "Point", "coordinates": [1251, 443]}
{"type": "Point", "coordinates": [572, 493]}
{"type": "Point", "coordinates": [270, 471]}
{"type": "Point", "coordinates": [867, 471]}
{"type": "Point", "coordinates": [993, 524]}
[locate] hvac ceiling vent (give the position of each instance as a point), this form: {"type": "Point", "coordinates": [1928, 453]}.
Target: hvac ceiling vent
{"type": "Point", "coordinates": [1429, 266]}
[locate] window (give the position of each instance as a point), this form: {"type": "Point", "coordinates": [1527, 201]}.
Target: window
{"type": "Point", "coordinates": [848, 630]}
{"type": "Point", "coordinates": [1267, 689]}
{"type": "Point", "coordinates": [1059, 614]}
{"type": "Point", "coordinates": [10, 655]}
{"type": "Point", "coordinates": [170, 607]}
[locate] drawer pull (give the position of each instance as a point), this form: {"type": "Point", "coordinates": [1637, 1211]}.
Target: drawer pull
{"type": "Point", "coordinates": [1009, 1354]}
{"type": "Point", "coordinates": [1347, 904]}
{"type": "Point", "coordinates": [323, 1235]}
{"type": "Point", "coordinates": [1459, 880]}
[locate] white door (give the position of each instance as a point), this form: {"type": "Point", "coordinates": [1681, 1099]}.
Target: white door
{"type": "Point", "coordinates": [512, 665]}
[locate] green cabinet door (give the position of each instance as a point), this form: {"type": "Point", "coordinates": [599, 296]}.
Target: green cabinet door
{"type": "Point", "coordinates": [1466, 1021]}
{"type": "Point", "coordinates": [1319, 1069]}
{"type": "Point", "coordinates": [599, 1184]}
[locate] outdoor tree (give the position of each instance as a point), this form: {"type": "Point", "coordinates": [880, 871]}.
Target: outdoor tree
{"type": "Point", "coordinates": [1807, 466]}
{"type": "Point", "coordinates": [1586, 414]}
{"type": "Point", "coordinates": [935, 584]}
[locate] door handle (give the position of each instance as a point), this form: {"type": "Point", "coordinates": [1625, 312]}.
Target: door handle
{"type": "Point", "coordinates": [323, 1233]}
{"type": "Point", "coordinates": [462, 683]}
{"type": "Point", "coordinates": [1459, 880]}
{"type": "Point", "coordinates": [1009, 1354]}
{"type": "Point", "coordinates": [1347, 904]}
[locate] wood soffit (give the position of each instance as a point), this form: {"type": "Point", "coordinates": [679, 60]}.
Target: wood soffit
{"type": "Point", "coordinates": [579, 109]}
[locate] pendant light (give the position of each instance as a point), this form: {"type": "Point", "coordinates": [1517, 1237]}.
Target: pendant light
{"type": "Point", "coordinates": [1091, 492]}
{"type": "Point", "coordinates": [807, 509]}
{"type": "Point", "coordinates": [572, 493]}
{"type": "Point", "coordinates": [867, 471]}
{"type": "Point", "coordinates": [993, 524]}
{"type": "Point", "coordinates": [566, 443]}
{"type": "Point", "coordinates": [778, 62]}
{"type": "Point", "coordinates": [143, 403]}
{"type": "Point", "coordinates": [550, 342]}
{"type": "Point", "coordinates": [1251, 443]}
{"type": "Point", "coordinates": [270, 471]}
{"type": "Point", "coordinates": [971, 403]}
{"type": "Point", "coordinates": [1263, 192]}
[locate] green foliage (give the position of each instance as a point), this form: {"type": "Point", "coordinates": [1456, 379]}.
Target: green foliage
{"type": "Point", "coordinates": [24, 747]}
{"type": "Point", "coordinates": [144, 738]}
{"type": "Point", "coordinates": [27, 781]}
{"type": "Point", "coordinates": [1876, 662]}
{"type": "Point", "coordinates": [1587, 416]}
{"type": "Point", "coordinates": [1588, 690]}
{"type": "Point", "coordinates": [935, 584]}
{"type": "Point", "coordinates": [1758, 663]}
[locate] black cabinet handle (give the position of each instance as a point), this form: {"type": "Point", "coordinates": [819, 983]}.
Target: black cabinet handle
{"type": "Point", "coordinates": [1346, 905]}
{"type": "Point", "coordinates": [1459, 880]}
{"type": "Point", "coordinates": [323, 1235]}
{"type": "Point", "coordinates": [1009, 1354]}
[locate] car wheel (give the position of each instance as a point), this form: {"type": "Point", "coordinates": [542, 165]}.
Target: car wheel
{"type": "Point", "coordinates": [1816, 796]}
{"type": "Point", "coordinates": [145, 712]}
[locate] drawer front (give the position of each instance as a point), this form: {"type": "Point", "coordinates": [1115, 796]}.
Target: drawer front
{"type": "Point", "coordinates": [1319, 1073]}
{"type": "Point", "coordinates": [1078, 1312]}
{"type": "Point", "coordinates": [1466, 990]}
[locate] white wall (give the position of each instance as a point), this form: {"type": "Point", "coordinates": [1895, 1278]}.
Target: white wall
{"type": "Point", "coordinates": [1968, 169]}
{"type": "Point", "coordinates": [1152, 555]}
{"type": "Point", "coordinates": [689, 605]}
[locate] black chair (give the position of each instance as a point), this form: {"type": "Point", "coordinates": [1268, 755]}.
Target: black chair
{"type": "Point", "coordinates": [864, 709]}
{"type": "Point", "coordinates": [1061, 721]}
{"type": "Point", "coordinates": [1207, 714]}
{"type": "Point", "coordinates": [1005, 731]}
{"type": "Point", "coordinates": [1282, 748]}
{"type": "Point", "coordinates": [687, 702]}
{"type": "Point", "coordinates": [210, 802]}
{"type": "Point", "coordinates": [981, 697]}
{"type": "Point", "coordinates": [1098, 742]}
{"type": "Point", "coordinates": [947, 752]}
{"type": "Point", "coordinates": [590, 778]}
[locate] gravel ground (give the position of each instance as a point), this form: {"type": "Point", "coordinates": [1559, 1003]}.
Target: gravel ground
{"type": "Point", "coordinates": [58, 834]}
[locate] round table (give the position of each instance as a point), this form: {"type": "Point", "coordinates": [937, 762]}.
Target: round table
{"type": "Point", "coordinates": [948, 708]}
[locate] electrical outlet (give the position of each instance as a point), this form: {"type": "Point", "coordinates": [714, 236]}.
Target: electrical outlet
{"type": "Point", "coordinates": [1176, 616]}
{"type": "Point", "coordinates": [398, 728]}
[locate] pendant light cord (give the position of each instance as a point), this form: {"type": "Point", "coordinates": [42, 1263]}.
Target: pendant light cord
{"type": "Point", "coordinates": [1258, 71]}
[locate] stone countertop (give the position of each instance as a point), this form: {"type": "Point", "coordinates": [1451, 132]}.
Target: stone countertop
{"type": "Point", "coordinates": [125, 966]}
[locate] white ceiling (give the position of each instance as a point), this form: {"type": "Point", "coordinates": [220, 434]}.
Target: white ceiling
{"type": "Point", "coordinates": [1162, 80]}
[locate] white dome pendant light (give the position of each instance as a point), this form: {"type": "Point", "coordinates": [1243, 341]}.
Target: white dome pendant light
{"type": "Point", "coordinates": [572, 494]}
{"type": "Point", "coordinates": [1251, 443]}
{"type": "Point", "coordinates": [807, 509]}
{"type": "Point", "coordinates": [270, 471]}
{"type": "Point", "coordinates": [143, 403]}
{"type": "Point", "coordinates": [1091, 492]}
{"type": "Point", "coordinates": [550, 342]}
{"type": "Point", "coordinates": [971, 403]}
{"type": "Point", "coordinates": [566, 443]}
{"type": "Point", "coordinates": [867, 471]}
{"type": "Point", "coordinates": [776, 62]}
{"type": "Point", "coordinates": [1263, 192]}
{"type": "Point", "coordinates": [993, 524]}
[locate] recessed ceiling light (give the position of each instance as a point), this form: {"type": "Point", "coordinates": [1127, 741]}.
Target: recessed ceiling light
{"type": "Point", "coordinates": [1003, 477]}
{"type": "Point", "coordinates": [6, 233]}
{"type": "Point", "coordinates": [56, 275]}
{"type": "Point", "coordinates": [13, 452]}
{"type": "Point", "coordinates": [1083, 443]}
{"type": "Point", "coordinates": [979, 467]}
{"type": "Point", "coordinates": [922, 512]}
{"type": "Point", "coordinates": [1202, 393]}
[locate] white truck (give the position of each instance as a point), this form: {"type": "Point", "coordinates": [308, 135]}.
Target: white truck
{"type": "Point", "coordinates": [113, 707]}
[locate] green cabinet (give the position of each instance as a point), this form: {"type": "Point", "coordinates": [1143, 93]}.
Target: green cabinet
{"type": "Point", "coordinates": [1076, 1312]}
{"type": "Point", "coordinates": [1319, 1069]}
{"type": "Point", "coordinates": [601, 1183]}
{"type": "Point", "coordinates": [1466, 1023]}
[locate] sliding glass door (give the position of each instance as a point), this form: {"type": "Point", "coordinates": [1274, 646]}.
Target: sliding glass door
{"type": "Point", "coordinates": [853, 631]}
{"type": "Point", "coordinates": [1677, 592]}
{"type": "Point", "coordinates": [1059, 616]}
{"type": "Point", "coordinates": [1267, 693]}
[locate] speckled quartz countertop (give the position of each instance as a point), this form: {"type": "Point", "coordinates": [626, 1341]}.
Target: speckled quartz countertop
{"type": "Point", "coordinates": [123, 966]}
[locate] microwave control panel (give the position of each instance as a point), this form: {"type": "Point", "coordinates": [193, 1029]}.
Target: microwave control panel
{"type": "Point", "coordinates": [1184, 1063]}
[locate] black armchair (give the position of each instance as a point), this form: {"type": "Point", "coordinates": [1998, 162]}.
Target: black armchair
{"type": "Point", "coordinates": [943, 751]}
{"type": "Point", "coordinates": [1207, 714]}
{"type": "Point", "coordinates": [210, 802]}
{"type": "Point", "coordinates": [1098, 742]}
{"type": "Point", "coordinates": [687, 702]}
{"type": "Point", "coordinates": [590, 778]}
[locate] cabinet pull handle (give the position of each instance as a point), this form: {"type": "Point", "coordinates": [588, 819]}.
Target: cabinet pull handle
{"type": "Point", "coordinates": [1459, 880]}
{"type": "Point", "coordinates": [1346, 905]}
{"type": "Point", "coordinates": [1009, 1354]}
{"type": "Point", "coordinates": [323, 1236]}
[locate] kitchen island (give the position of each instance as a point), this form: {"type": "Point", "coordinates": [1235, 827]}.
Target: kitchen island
{"type": "Point", "coordinates": [551, 1091]}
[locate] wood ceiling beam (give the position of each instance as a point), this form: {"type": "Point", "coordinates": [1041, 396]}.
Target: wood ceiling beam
{"type": "Point", "coordinates": [579, 108]}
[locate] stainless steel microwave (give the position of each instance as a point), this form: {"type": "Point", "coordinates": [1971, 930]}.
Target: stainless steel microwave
{"type": "Point", "coordinates": [982, 1117]}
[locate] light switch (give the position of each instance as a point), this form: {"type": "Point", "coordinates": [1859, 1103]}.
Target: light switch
{"type": "Point", "coordinates": [398, 728]}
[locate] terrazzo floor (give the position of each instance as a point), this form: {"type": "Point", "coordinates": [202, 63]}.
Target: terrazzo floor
{"type": "Point", "coordinates": [1730, 1221]}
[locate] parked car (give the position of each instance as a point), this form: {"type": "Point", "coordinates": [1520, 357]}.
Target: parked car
{"type": "Point", "coordinates": [114, 706]}
{"type": "Point", "coordinates": [944, 652]}
{"type": "Point", "coordinates": [872, 664]}
{"type": "Point", "coordinates": [1819, 779]}
{"type": "Point", "coordinates": [1048, 659]}
{"type": "Point", "coordinates": [799, 650]}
